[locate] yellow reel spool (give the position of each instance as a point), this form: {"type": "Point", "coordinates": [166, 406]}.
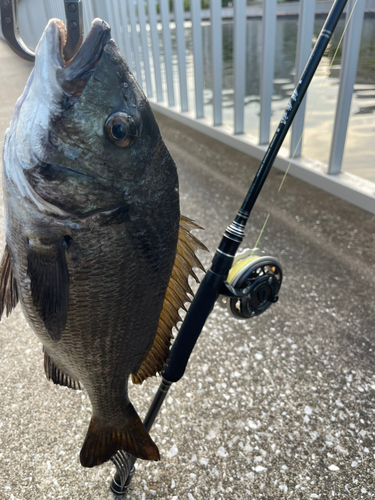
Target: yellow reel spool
{"type": "Point", "coordinates": [262, 274]}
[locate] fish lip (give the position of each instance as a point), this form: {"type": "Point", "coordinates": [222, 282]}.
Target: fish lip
{"type": "Point", "coordinates": [73, 75]}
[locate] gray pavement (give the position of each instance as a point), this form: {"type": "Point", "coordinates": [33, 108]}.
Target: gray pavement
{"type": "Point", "coordinates": [281, 406]}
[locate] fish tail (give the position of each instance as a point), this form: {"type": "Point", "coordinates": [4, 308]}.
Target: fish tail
{"type": "Point", "coordinates": [103, 441]}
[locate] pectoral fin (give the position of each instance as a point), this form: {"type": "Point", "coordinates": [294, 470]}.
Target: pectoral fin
{"type": "Point", "coordinates": [8, 285]}
{"type": "Point", "coordinates": [49, 275]}
{"type": "Point", "coordinates": [175, 298]}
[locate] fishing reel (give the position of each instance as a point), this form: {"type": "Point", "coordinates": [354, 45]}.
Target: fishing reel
{"type": "Point", "coordinates": [252, 284]}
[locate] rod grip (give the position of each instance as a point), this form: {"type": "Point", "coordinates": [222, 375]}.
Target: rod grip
{"type": "Point", "coordinates": [196, 317]}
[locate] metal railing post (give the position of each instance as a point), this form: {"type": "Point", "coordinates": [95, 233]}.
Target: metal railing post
{"type": "Point", "coordinates": [349, 61]}
{"type": "Point", "coordinates": [133, 24]}
{"type": "Point", "coordinates": [217, 61]}
{"type": "Point", "coordinates": [195, 8]}
{"type": "Point", "coordinates": [37, 18]}
{"type": "Point", "coordinates": [125, 39]}
{"type": "Point", "coordinates": [239, 49]}
{"type": "Point", "coordinates": [55, 8]}
{"type": "Point", "coordinates": [146, 60]}
{"type": "Point", "coordinates": [268, 69]}
{"type": "Point", "coordinates": [180, 36]}
{"type": "Point", "coordinates": [88, 16]}
{"type": "Point", "coordinates": [164, 11]}
{"type": "Point", "coordinates": [112, 21]}
{"type": "Point", "coordinates": [305, 34]}
{"type": "Point", "coordinates": [155, 48]}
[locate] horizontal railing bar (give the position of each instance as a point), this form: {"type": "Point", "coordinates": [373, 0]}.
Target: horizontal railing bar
{"type": "Point", "coordinates": [288, 9]}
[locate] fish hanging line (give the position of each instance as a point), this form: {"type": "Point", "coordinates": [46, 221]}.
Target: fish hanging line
{"type": "Point", "coordinates": [323, 85]}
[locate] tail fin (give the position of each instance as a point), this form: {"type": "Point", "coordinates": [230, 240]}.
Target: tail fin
{"type": "Point", "coordinates": [102, 441]}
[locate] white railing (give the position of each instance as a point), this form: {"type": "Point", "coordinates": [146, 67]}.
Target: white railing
{"type": "Point", "coordinates": [144, 36]}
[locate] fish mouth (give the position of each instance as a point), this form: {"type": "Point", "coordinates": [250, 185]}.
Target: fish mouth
{"type": "Point", "coordinates": [73, 75]}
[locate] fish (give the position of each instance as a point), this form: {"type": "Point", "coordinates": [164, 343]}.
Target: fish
{"type": "Point", "coordinates": [97, 252]}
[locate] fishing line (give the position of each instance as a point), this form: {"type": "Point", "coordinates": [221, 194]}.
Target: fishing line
{"type": "Point", "coordinates": [309, 116]}
{"type": "Point", "coordinates": [260, 234]}
{"type": "Point", "coordinates": [318, 96]}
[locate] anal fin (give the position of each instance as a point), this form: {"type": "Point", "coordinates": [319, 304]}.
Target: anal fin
{"type": "Point", "coordinates": [175, 298]}
{"type": "Point", "coordinates": [103, 441]}
{"type": "Point", "coordinates": [8, 285]}
{"type": "Point", "coordinates": [58, 376]}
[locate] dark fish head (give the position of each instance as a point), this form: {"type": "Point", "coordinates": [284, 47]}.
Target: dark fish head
{"type": "Point", "coordinates": [85, 137]}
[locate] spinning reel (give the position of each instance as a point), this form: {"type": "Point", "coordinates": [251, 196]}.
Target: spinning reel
{"type": "Point", "coordinates": [252, 284]}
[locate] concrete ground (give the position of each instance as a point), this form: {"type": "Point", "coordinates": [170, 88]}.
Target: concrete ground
{"type": "Point", "coordinates": [281, 406]}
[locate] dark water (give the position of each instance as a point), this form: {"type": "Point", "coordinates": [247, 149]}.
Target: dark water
{"type": "Point", "coordinates": [359, 156]}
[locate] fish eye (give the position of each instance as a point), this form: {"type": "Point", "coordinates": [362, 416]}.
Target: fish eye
{"type": "Point", "coordinates": [121, 129]}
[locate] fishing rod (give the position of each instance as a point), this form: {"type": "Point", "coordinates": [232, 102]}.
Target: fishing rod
{"type": "Point", "coordinates": [250, 284]}
{"type": "Point", "coordinates": [245, 299]}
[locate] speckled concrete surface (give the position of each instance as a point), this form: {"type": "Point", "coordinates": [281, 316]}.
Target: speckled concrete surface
{"type": "Point", "coordinates": [278, 407]}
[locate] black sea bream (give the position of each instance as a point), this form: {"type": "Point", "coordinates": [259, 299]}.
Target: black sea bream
{"type": "Point", "coordinates": [96, 251]}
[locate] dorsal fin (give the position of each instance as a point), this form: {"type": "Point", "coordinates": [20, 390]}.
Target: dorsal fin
{"type": "Point", "coordinates": [175, 298]}
{"type": "Point", "coordinates": [8, 285]}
